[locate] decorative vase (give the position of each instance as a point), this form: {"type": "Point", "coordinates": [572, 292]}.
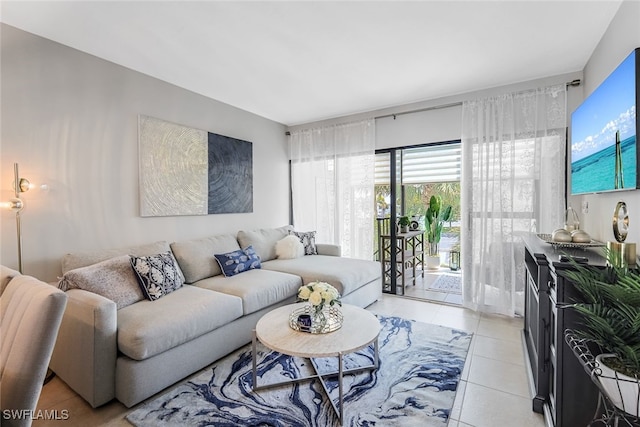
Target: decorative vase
{"type": "Point", "coordinates": [622, 390]}
{"type": "Point", "coordinates": [318, 318]}
{"type": "Point", "coordinates": [433, 262]}
{"type": "Point", "coordinates": [571, 221]}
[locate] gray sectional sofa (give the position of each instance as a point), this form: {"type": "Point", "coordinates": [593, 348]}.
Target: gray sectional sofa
{"type": "Point", "coordinates": [133, 352]}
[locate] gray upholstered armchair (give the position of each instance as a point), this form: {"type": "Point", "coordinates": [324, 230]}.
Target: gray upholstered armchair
{"type": "Point", "coordinates": [30, 315]}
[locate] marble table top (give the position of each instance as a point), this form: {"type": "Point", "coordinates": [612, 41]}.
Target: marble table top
{"type": "Point", "coordinates": [359, 329]}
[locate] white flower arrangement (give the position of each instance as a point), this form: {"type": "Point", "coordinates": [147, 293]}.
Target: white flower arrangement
{"type": "Point", "coordinates": [319, 294]}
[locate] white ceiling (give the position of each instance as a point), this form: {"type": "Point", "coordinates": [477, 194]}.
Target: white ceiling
{"type": "Point", "coordinates": [297, 62]}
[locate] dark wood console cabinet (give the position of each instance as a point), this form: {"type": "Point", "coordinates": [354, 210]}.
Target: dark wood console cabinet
{"type": "Point", "coordinates": [537, 325]}
{"type": "Point", "coordinates": [562, 390]}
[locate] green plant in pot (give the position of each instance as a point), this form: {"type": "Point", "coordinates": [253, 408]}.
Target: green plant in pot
{"type": "Point", "coordinates": [610, 318]}
{"type": "Point", "coordinates": [404, 222]}
{"type": "Point", "coordinates": [434, 219]}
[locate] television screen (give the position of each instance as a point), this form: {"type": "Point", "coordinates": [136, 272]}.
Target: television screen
{"type": "Point", "coordinates": [604, 152]}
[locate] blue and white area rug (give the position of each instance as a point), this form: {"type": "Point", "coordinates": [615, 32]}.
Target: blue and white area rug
{"type": "Point", "coordinates": [415, 385]}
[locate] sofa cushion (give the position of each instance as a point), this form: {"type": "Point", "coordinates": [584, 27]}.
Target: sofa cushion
{"type": "Point", "coordinates": [196, 257]}
{"type": "Point", "coordinates": [151, 327]}
{"type": "Point", "coordinates": [237, 262]}
{"type": "Point", "coordinates": [113, 279]}
{"type": "Point", "coordinates": [263, 240]}
{"type": "Point", "coordinates": [158, 275]}
{"type": "Point", "coordinates": [308, 240]}
{"type": "Point", "coordinates": [345, 274]}
{"type": "Point", "coordinates": [257, 288]}
{"type": "Point", "coordinates": [73, 261]}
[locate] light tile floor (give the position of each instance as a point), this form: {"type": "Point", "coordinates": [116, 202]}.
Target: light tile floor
{"type": "Point", "coordinates": [421, 289]}
{"type": "Point", "coordinates": [493, 390]}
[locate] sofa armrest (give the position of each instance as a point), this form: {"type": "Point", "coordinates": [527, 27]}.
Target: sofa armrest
{"type": "Point", "coordinates": [328, 249]}
{"type": "Point", "coordinates": [86, 350]}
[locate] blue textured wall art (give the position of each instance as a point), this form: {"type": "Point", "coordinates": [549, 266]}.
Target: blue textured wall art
{"type": "Point", "coordinates": [230, 175]}
{"type": "Point", "coordinates": [186, 171]}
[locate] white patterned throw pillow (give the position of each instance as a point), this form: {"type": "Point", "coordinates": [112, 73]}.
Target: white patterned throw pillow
{"type": "Point", "coordinates": [158, 275]}
{"type": "Point", "coordinates": [308, 240]}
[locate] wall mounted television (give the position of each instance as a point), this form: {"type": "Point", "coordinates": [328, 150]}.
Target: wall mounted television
{"type": "Point", "coordinates": [604, 128]}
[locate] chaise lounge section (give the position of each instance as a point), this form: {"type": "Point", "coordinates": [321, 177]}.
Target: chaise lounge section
{"type": "Point", "coordinates": [132, 352]}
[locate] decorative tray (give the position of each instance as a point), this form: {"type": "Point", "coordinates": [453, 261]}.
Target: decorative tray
{"type": "Point", "coordinates": [592, 244]}
{"type": "Point", "coordinates": [333, 316]}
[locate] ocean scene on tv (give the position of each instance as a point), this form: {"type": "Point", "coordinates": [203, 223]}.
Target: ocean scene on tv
{"type": "Point", "coordinates": [604, 135]}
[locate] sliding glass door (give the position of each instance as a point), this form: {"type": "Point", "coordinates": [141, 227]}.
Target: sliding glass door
{"type": "Point", "coordinates": [405, 180]}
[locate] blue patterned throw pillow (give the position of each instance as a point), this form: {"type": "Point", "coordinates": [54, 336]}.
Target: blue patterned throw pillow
{"type": "Point", "coordinates": [236, 262]}
{"type": "Point", "coordinates": [254, 258]}
{"type": "Point", "coordinates": [158, 275]}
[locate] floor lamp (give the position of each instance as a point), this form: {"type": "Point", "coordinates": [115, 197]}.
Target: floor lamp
{"type": "Point", "coordinates": [16, 204]}
{"type": "Point", "coordinates": [20, 185]}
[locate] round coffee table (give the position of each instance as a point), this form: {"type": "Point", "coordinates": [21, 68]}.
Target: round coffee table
{"type": "Point", "coordinates": [359, 329]}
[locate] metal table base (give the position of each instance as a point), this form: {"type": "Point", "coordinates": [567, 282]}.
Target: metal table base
{"type": "Point", "coordinates": [339, 408]}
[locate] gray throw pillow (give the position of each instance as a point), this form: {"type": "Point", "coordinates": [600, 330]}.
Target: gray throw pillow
{"type": "Point", "coordinates": [113, 279]}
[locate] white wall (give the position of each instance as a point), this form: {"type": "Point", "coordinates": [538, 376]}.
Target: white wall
{"type": "Point", "coordinates": [436, 125]}
{"type": "Point", "coordinates": [622, 36]}
{"type": "Point", "coordinates": [70, 120]}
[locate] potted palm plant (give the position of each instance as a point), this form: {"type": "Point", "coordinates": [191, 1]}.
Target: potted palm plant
{"type": "Point", "coordinates": [610, 317]}
{"type": "Point", "coordinates": [434, 219]}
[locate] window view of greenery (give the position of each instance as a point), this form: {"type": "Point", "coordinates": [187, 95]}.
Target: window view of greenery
{"type": "Point", "coordinates": [416, 201]}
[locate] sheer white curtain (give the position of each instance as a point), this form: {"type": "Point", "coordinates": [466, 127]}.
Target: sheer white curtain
{"type": "Point", "coordinates": [332, 180]}
{"type": "Point", "coordinates": [513, 174]}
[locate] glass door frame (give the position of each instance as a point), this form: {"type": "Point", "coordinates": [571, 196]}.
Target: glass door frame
{"type": "Point", "coordinates": [395, 181]}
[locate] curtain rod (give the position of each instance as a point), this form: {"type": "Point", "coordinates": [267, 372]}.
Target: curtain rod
{"type": "Point", "coordinates": [420, 110]}
{"type": "Point", "coordinates": [437, 107]}
{"type": "Point", "coordinates": [575, 82]}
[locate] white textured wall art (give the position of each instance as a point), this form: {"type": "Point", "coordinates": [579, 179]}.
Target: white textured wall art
{"type": "Point", "coordinates": [186, 171]}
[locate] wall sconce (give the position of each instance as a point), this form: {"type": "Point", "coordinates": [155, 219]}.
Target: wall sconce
{"type": "Point", "coordinates": [16, 204]}
{"type": "Point", "coordinates": [454, 261]}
